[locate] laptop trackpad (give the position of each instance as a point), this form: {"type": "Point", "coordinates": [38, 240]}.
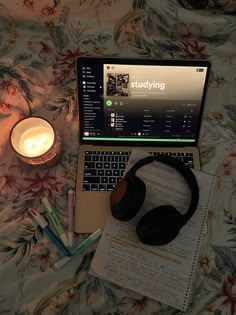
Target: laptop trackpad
{"type": "Point", "coordinates": [92, 209]}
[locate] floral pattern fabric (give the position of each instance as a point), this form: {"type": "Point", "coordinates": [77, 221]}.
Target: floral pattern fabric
{"type": "Point", "coordinates": [39, 43]}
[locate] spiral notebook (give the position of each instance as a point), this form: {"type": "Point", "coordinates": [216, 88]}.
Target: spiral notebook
{"type": "Point", "coordinates": [163, 273]}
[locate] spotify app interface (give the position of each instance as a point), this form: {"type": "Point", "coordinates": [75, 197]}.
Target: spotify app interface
{"type": "Point", "coordinates": [140, 102]}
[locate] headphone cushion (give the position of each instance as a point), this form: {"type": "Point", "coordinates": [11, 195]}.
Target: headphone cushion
{"type": "Point", "coordinates": [127, 198]}
{"type": "Point", "coordinates": [159, 226]}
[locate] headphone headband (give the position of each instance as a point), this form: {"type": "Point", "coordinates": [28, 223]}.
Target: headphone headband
{"type": "Point", "coordinates": [183, 169]}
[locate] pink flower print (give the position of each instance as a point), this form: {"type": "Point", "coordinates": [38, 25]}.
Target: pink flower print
{"type": "Point", "coordinates": [70, 293]}
{"type": "Point", "coordinates": [193, 50]}
{"type": "Point", "coordinates": [220, 80]}
{"type": "Point", "coordinates": [68, 173]}
{"type": "Point", "coordinates": [68, 58]}
{"type": "Point", "coordinates": [130, 30]}
{"type": "Point", "coordinates": [65, 67]}
{"type": "Point", "coordinates": [218, 116]}
{"type": "Point", "coordinates": [143, 305]}
{"type": "Point", "coordinates": [185, 31]}
{"type": "Point", "coordinates": [5, 108]}
{"type": "Point", "coordinates": [35, 187]}
{"type": "Point", "coordinates": [43, 48]}
{"type": "Point", "coordinates": [228, 293]}
{"type": "Point", "coordinates": [225, 174]}
{"type": "Point", "coordinates": [128, 33]}
{"type": "Point", "coordinates": [10, 181]}
{"type": "Point", "coordinates": [9, 87]}
{"type": "Point", "coordinates": [56, 304]}
{"type": "Point", "coordinates": [232, 154]}
{"type": "Point", "coordinates": [48, 10]}
{"type": "Point", "coordinates": [41, 184]}
{"type": "Point", "coordinates": [29, 4]}
{"type": "Point", "coordinates": [205, 262]}
{"type": "Point", "coordinates": [135, 306]}
{"type": "Point", "coordinates": [227, 168]}
{"type": "Point", "coordinates": [42, 257]}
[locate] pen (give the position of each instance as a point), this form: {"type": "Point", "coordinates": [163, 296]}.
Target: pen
{"type": "Point", "coordinates": [70, 210]}
{"type": "Point", "coordinates": [44, 225]}
{"type": "Point", "coordinates": [55, 221]}
{"type": "Point", "coordinates": [79, 248]}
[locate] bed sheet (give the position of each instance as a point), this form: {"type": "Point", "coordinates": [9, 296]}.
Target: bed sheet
{"type": "Point", "coordinates": [39, 43]}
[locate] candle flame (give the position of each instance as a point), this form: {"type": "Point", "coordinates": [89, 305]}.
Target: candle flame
{"type": "Point", "coordinates": [36, 141]}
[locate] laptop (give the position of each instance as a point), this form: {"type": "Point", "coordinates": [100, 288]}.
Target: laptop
{"type": "Point", "coordinates": [125, 104]}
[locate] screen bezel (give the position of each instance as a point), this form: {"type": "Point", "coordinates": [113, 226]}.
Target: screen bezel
{"type": "Point", "coordinates": [139, 61]}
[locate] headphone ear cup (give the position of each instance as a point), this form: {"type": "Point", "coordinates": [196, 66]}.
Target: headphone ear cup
{"type": "Point", "coordinates": [127, 198]}
{"type": "Point", "coordinates": [159, 226]}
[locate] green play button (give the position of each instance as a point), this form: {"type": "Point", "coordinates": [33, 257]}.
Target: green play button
{"type": "Point", "coordinates": [109, 102]}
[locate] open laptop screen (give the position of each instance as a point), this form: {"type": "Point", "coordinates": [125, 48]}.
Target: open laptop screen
{"type": "Point", "coordinates": [144, 102]}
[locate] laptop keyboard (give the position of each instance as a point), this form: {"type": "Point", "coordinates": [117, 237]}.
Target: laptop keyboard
{"type": "Point", "coordinates": [103, 169]}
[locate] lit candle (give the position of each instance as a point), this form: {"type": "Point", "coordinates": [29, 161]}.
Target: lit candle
{"type": "Point", "coordinates": [35, 141]}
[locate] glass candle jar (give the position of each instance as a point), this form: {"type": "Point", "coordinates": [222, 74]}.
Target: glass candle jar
{"type": "Point", "coordinates": [36, 142]}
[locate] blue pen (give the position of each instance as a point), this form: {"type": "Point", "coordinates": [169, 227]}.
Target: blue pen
{"type": "Point", "coordinates": [44, 225]}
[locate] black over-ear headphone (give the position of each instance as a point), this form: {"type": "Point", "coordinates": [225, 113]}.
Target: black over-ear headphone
{"type": "Point", "coordinates": [162, 224]}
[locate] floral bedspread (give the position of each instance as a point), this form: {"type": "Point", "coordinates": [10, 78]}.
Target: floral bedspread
{"type": "Point", "coordinates": [39, 43]}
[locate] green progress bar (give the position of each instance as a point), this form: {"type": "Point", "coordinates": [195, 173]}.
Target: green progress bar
{"type": "Point", "coordinates": [139, 139]}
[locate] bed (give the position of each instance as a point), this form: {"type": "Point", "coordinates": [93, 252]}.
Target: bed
{"type": "Point", "coordinates": [39, 43]}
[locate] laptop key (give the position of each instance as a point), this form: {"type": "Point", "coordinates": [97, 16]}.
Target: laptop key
{"type": "Point", "coordinates": [94, 187]}
{"type": "Point", "coordinates": [91, 180]}
{"type": "Point", "coordinates": [187, 159]}
{"type": "Point", "coordinates": [112, 180]}
{"type": "Point", "coordinates": [104, 180]}
{"type": "Point", "coordinates": [116, 173]}
{"type": "Point", "coordinates": [88, 157]}
{"type": "Point", "coordinates": [101, 172]}
{"type": "Point", "coordinates": [110, 187]}
{"type": "Point", "coordinates": [86, 187]}
{"type": "Point", "coordinates": [89, 164]}
{"type": "Point", "coordinates": [102, 187]}
{"type": "Point", "coordinates": [122, 166]}
{"type": "Point", "coordinates": [102, 158]}
{"type": "Point", "coordinates": [118, 158]}
{"type": "Point", "coordinates": [114, 165]}
{"type": "Point", "coordinates": [95, 158]}
{"type": "Point", "coordinates": [99, 165]}
{"type": "Point", "coordinates": [111, 158]}
{"type": "Point", "coordinates": [108, 173]}
{"type": "Point", "coordinates": [89, 172]}
{"type": "Point", "coordinates": [125, 158]}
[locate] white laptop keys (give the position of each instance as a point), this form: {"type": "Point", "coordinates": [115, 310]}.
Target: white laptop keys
{"type": "Point", "coordinates": [147, 104]}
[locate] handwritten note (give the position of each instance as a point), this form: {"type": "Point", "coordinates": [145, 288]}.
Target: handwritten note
{"type": "Point", "coordinates": [163, 273]}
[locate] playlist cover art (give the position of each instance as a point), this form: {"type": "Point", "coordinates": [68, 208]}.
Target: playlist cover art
{"type": "Point", "coordinates": [117, 84]}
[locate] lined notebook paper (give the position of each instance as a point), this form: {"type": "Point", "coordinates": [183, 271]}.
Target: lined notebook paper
{"type": "Point", "coordinates": [163, 273]}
